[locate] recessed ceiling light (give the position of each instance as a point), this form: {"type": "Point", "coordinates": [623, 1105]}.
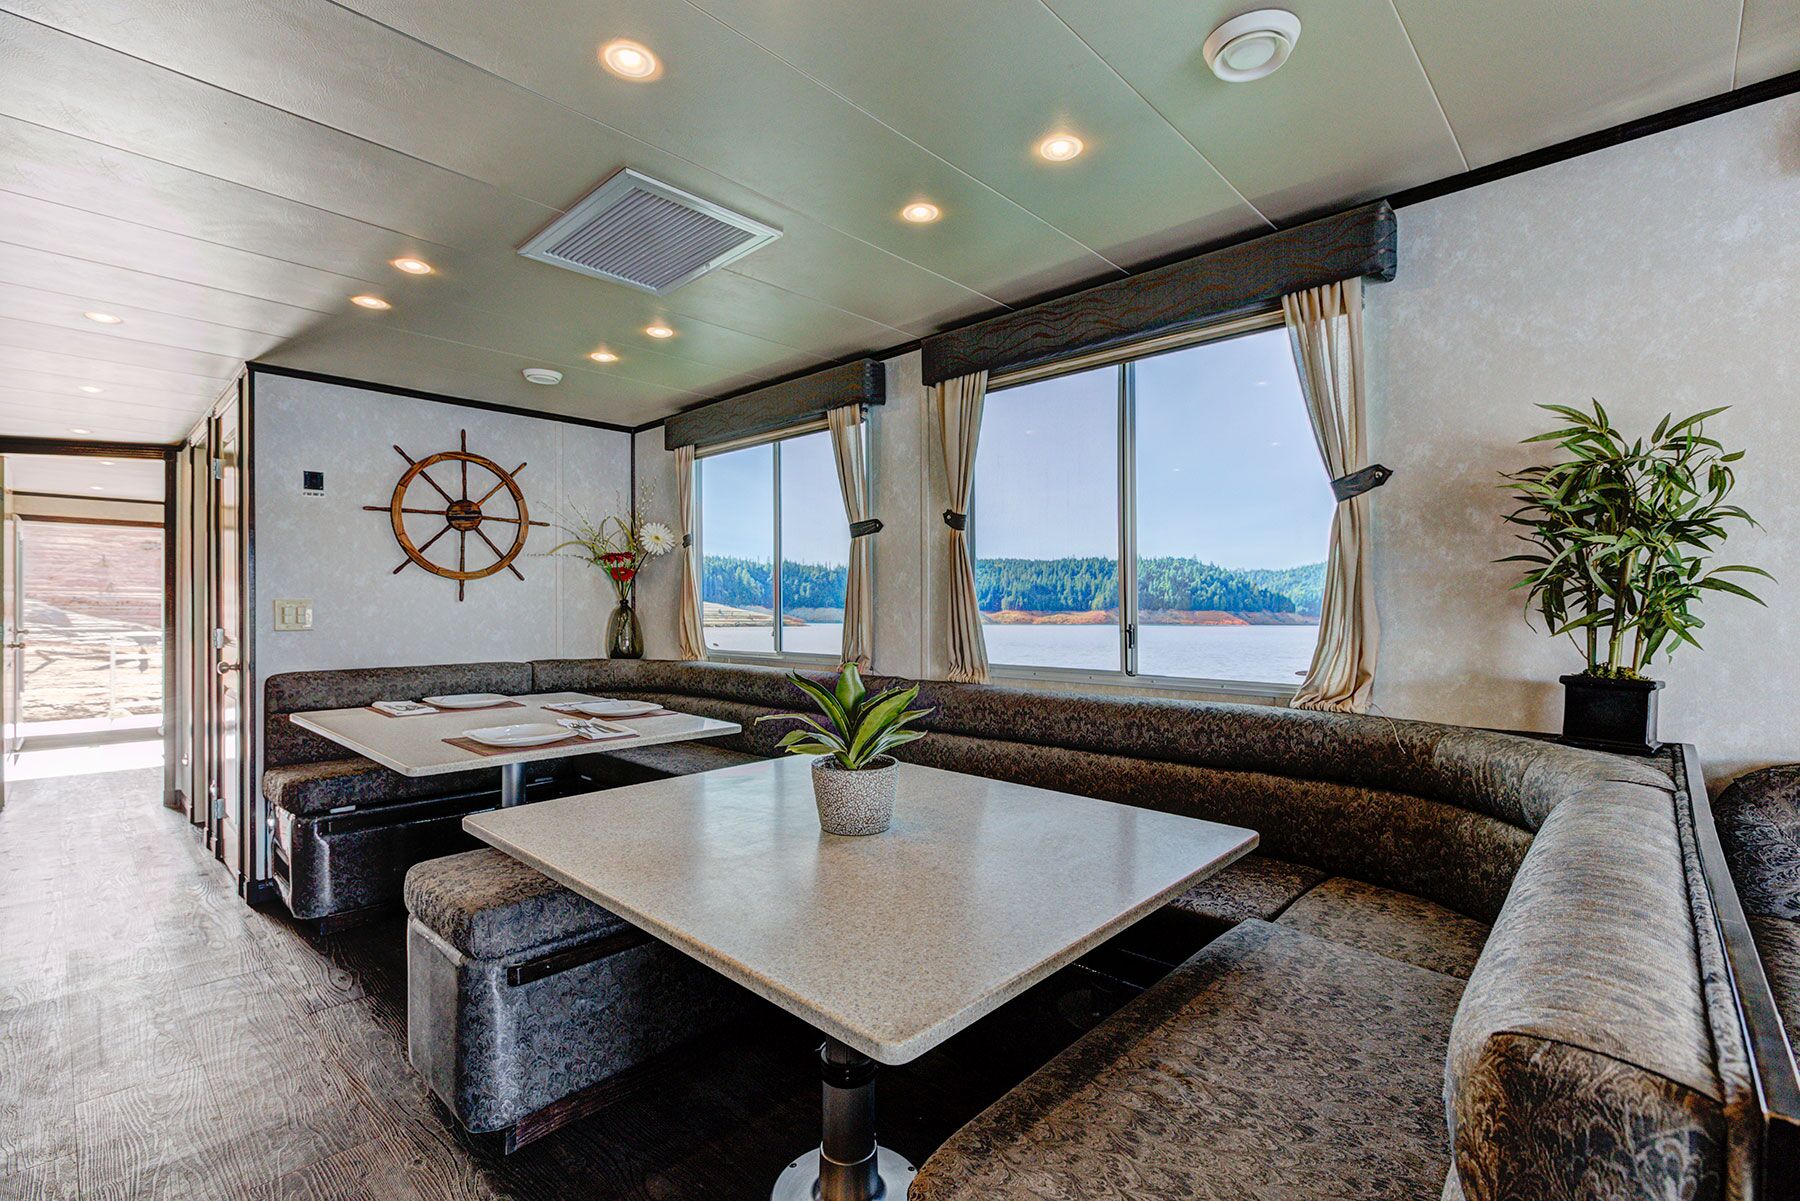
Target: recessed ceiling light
{"type": "Point", "coordinates": [95, 488]}
{"type": "Point", "coordinates": [371, 302]}
{"type": "Point", "coordinates": [413, 266]}
{"type": "Point", "coordinates": [1253, 45]}
{"type": "Point", "coordinates": [106, 462]}
{"type": "Point", "coordinates": [659, 331]}
{"type": "Point", "coordinates": [542, 375]}
{"type": "Point", "coordinates": [921, 212]}
{"type": "Point", "coordinates": [75, 429]}
{"type": "Point", "coordinates": [630, 60]}
{"type": "Point", "coordinates": [104, 318]}
{"type": "Point", "coordinates": [1060, 147]}
{"type": "Point", "coordinates": [604, 356]}
{"type": "Point", "coordinates": [92, 389]}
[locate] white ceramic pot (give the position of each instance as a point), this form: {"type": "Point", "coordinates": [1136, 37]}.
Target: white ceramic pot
{"type": "Point", "coordinates": [855, 802]}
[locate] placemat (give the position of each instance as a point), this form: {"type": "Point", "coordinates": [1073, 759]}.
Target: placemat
{"type": "Point", "coordinates": [569, 708]}
{"type": "Point", "coordinates": [442, 709]}
{"type": "Point", "coordinates": [469, 744]}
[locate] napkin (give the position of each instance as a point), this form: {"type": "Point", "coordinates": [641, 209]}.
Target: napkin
{"type": "Point", "coordinates": [403, 708]}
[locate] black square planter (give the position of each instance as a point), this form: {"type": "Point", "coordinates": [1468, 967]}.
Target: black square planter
{"type": "Point", "coordinates": [1611, 715]}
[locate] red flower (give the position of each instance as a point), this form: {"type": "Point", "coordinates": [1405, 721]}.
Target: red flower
{"type": "Point", "coordinates": [623, 574]}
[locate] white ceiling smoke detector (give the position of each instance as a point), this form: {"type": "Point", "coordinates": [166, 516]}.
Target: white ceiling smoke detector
{"type": "Point", "coordinates": [1253, 45]}
{"type": "Point", "coordinates": [542, 375]}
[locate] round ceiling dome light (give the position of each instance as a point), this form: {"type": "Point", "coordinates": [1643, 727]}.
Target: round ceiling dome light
{"type": "Point", "coordinates": [413, 266]}
{"type": "Point", "coordinates": [659, 331]}
{"type": "Point", "coordinates": [542, 375]}
{"type": "Point", "coordinates": [92, 389]}
{"type": "Point", "coordinates": [630, 60]}
{"type": "Point", "coordinates": [371, 302]}
{"type": "Point", "coordinates": [1253, 45]}
{"type": "Point", "coordinates": [604, 356]}
{"type": "Point", "coordinates": [1060, 148]}
{"type": "Point", "coordinates": [921, 212]}
{"type": "Point", "coordinates": [104, 318]}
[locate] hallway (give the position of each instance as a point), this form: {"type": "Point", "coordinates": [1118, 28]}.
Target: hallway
{"type": "Point", "coordinates": [161, 1040]}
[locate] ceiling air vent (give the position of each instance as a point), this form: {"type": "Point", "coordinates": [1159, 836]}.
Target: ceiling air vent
{"type": "Point", "coordinates": [634, 230]}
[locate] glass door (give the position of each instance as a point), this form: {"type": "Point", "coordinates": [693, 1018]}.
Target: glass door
{"type": "Point", "coordinates": [11, 632]}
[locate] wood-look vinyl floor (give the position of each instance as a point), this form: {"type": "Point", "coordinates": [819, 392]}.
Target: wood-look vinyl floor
{"type": "Point", "coordinates": [160, 1039]}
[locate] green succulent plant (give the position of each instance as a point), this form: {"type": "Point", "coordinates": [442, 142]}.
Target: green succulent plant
{"type": "Point", "coordinates": [1621, 534]}
{"type": "Point", "coordinates": [857, 725]}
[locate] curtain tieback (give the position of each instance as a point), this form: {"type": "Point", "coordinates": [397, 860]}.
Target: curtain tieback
{"type": "Point", "coordinates": [862, 529]}
{"type": "Point", "coordinates": [1349, 487]}
{"type": "Point", "coordinates": [687, 540]}
{"type": "Point", "coordinates": [955, 520]}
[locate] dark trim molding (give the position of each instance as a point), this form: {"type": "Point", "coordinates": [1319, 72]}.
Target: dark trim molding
{"type": "Point", "coordinates": [776, 406]}
{"type": "Point", "coordinates": [1774, 1075]}
{"type": "Point", "coordinates": [1588, 143]}
{"type": "Point", "coordinates": [1214, 286]}
{"type": "Point", "coordinates": [58, 519]}
{"type": "Point", "coordinates": [105, 500]}
{"type": "Point", "coordinates": [90, 450]}
{"type": "Point", "coordinates": [320, 377]}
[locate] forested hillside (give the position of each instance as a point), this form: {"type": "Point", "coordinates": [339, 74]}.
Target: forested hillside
{"type": "Point", "coordinates": [1045, 585]}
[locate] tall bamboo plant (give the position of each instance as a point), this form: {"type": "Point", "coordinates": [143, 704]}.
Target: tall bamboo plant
{"type": "Point", "coordinates": [1621, 534]}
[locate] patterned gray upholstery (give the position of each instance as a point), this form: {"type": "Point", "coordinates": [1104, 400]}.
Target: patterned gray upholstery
{"type": "Point", "coordinates": [1759, 826]}
{"type": "Point", "coordinates": [322, 786]}
{"type": "Point", "coordinates": [496, 1049]}
{"type": "Point", "coordinates": [1272, 1065]}
{"type": "Point", "coordinates": [489, 905]}
{"type": "Point", "coordinates": [638, 764]}
{"type": "Point", "coordinates": [1384, 922]}
{"type": "Point", "coordinates": [1592, 1054]}
{"type": "Point", "coordinates": [1255, 887]}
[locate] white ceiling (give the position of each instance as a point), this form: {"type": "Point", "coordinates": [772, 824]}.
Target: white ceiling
{"type": "Point", "coordinates": [225, 174]}
{"type": "Point", "coordinates": [78, 475]}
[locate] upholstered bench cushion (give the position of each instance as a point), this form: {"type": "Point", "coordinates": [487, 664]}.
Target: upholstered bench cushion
{"type": "Point", "coordinates": [674, 758]}
{"type": "Point", "coordinates": [1270, 1065]}
{"type": "Point", "coordinates": [1759, 827]}
{"type": "Point", "coordinates": [310, 789]}
{"type": "Point", "coordinates": [1778, 945]}
{"type": "Point", "coordinates": [1255, 887]}
{"type": "Point", "coordinates": [488, 905]}
{"type": "Point", "coordinates": [1384, 922]}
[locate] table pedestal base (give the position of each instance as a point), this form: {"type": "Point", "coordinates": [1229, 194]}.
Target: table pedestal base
{"type": "Point", "coordinates": [848, 1165]}
{"type": "Point", "coordinates": [512, 785]}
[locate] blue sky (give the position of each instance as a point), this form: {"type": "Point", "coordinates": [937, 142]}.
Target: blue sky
{"type": "Point", "coordinates": [1226, 465]}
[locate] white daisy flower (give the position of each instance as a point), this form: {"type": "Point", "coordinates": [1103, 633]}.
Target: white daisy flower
{"type": "Point", "coordinates": [657, 538]}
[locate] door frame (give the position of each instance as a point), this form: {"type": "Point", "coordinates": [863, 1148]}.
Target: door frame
{"type": "Point", "coordinates": [67, 447]}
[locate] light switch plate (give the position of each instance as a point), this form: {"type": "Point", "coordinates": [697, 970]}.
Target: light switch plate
{"type": "Point", "coordinates": [293, 615]}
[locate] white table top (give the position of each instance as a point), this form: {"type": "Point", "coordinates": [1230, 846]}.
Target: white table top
{"type": "Point", "coordinates": [415, 746]}
{"type": "Point", "coordinates": [891, 942]}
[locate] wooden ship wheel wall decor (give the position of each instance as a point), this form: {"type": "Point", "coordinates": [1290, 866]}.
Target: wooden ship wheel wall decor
{"type": "Point", "coordinates": [463, 515]}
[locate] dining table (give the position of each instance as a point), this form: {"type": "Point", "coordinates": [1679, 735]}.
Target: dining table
{"type": "Point", "coordinates": [887, 944]}
{"type": "Point", "coordinates": [435, 743]}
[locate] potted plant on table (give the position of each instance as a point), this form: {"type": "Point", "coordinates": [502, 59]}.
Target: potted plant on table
{"type": "Point", "coordinates": [619, 546]}
{"type": "Point", "coordinates": [1621, 536]}
{"type": "Point", "coordinates": [854, 775]}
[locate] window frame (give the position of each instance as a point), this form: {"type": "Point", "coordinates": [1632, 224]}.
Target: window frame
{"type": "Point", "coordinates": [773, 440]}
{"type": "Point", "coordinates": [1126, 358]}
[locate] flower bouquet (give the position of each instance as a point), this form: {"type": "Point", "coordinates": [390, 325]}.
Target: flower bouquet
{"type": "Point", "coordinates": [619, 546]}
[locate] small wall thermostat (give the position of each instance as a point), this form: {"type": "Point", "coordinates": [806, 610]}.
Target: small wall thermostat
{"type": "Point", "coordinates": [312, 483]}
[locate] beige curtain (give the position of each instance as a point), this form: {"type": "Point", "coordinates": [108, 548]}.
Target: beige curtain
{"type": "Point", "coordinates": [687, 618]}
{"type": "Point", "coordinates": [1326, 327]}
{"type": "Point", "coordinates": [853, 482]}
{"type": "Point", "coordinates": [957, 403]}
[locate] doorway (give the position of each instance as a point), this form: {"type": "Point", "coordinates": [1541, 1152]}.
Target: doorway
{"type": "Point", "coordinates": [86, 567]}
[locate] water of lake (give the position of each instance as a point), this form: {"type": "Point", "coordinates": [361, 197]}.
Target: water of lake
{"type": "Point", "coordinates": [1265, 654]}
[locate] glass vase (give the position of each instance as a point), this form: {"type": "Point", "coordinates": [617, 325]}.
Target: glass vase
{"type": "Point", "coordinates": [624, 636]}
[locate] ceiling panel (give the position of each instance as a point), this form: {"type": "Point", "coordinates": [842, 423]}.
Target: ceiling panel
{"type": "Point", "coordinates": [741, 112]}
{"type": "Point", "coordinates": [62, 312]}
{"type": "Point", "coordinates": [1770, 43]}
{"type": "Point", "coordinates": [79, 475]}
{"type": "Point", "coordinates": [1350, 116]}
{"type": "Point", "coordinates": [1517, 76]}
{"type": "Point", "coordinates": [26, 362]}
{"type": "Point", "coordinates": [1051, 80]}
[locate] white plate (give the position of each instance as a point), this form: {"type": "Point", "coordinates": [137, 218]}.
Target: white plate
{"type": "Point", "coordinates": [530, 733]}
{"type": "Point", "coordinates": [606, 707]}
{"type": "Point", "coordinates": [466, 700]}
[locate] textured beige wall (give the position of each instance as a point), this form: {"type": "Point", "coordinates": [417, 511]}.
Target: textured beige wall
{"type": "Point", "coordinates": [1661, 275]}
